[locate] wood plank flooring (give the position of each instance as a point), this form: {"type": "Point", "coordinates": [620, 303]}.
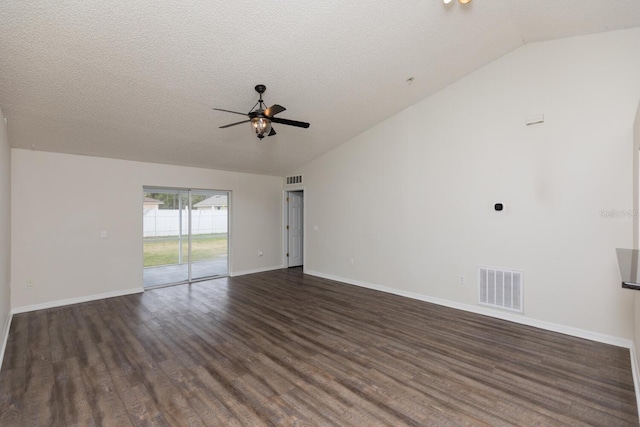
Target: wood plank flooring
{"type": "Point", "coordinates": [282, 348]}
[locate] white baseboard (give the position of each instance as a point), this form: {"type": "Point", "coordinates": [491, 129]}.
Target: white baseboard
{"type": "Point", "coordinates": [5, 337]}
{"type": "Point", "coordinates": [516, 318]}
{"type": "Point", "coordinates": [60, 303]}
{"type": "Point", "coordinates": [256, 270]}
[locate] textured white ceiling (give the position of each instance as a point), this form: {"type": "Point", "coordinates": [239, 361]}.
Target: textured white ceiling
{"type": "Point", "coordinates": [137, 79]}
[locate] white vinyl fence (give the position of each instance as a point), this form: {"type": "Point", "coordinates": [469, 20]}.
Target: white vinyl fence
{"type": "Point", "coordinates": [166, 222]}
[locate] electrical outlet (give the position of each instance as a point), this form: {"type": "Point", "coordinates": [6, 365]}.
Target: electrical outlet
{"type": "Point", "coordinates": [260, 253]}
{"type": "Point", "coordinates": [462, 281]}
{"type": "Point", "coordinates": [29, 283]}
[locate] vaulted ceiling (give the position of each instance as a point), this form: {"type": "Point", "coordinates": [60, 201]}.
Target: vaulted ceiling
{"type": "Point", "coordinates": [137, 80]}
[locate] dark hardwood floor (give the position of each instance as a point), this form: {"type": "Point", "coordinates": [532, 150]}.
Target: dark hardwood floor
{"type": "Point", "coordinates": [281, 348]}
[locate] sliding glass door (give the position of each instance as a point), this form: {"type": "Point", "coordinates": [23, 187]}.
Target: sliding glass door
{"type": "Point", "coordinates": [185, 235]}
{"type": "Point", "coordinates": [209, 248]}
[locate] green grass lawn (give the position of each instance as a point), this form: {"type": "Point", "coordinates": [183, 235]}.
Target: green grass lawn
{"type": "Point", "coordinates": [164, 250]}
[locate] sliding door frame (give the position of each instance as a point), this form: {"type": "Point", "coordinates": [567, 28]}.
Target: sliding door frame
{"type": "Point", "coordinates": [179, 190]}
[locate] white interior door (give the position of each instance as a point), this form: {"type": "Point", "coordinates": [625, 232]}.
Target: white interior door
{"type": "Point", "coordinates": [295, 232]}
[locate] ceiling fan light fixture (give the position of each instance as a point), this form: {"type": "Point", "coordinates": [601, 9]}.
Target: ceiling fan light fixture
{"type": "Point", "coordinates": [464, 1]}
{"type": "Point", "coordinates": [261, 125]}
{"type": "Point", "coordinates": [261, 117]}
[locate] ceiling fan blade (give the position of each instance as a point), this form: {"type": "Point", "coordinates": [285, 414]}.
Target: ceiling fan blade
{"type": "Point", "coordinates": [273, 110]}
{"type": "Point", "coordinates": [290, 122]}
{"type": "Point", "coordinates": [233, 124]}
{"type": "Point", "coordinates": [273, 131]}
{"type": "Point", "coordinates": [229, 111]}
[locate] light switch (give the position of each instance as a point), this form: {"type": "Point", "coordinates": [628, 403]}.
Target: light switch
{"type": "Point", "coordinates": [103, 234]}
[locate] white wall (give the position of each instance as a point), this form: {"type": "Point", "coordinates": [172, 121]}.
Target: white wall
{"type": "Point", "coordinates": [5, 233]}
{"type": "Point", "coordinates": [636, 231]}
{"type": "Point", "coordinates": [445, 161]}
{"type": "Point", "coordinates": [63, 253]}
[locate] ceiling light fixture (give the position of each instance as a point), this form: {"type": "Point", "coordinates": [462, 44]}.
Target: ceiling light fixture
{"type": "Point", "coordinates": [261, 125]}
{"type": "Point", "coordinates": [459, 1]}
{"type": "Point", "coordinates": [262, 117]}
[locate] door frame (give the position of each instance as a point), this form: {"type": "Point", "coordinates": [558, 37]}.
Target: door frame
{"type": "Point", "coordinates": [189, 190]}
{"type": "Point", "coordinates": [285, 218]}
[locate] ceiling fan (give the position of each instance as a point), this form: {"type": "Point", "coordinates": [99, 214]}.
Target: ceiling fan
{"type": "Point", "coordinates": [262, 117]}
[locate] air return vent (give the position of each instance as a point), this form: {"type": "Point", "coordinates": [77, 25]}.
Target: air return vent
{"type": "Point", "coordinates": [500, 288]}
{"type": "Point", "coordinates": [297, 179]}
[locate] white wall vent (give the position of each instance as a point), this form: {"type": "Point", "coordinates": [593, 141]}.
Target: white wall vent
{"type": "Point", "coordinates": [297, 179]}
{"type": "Point", "coordinates": [500, 288]}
